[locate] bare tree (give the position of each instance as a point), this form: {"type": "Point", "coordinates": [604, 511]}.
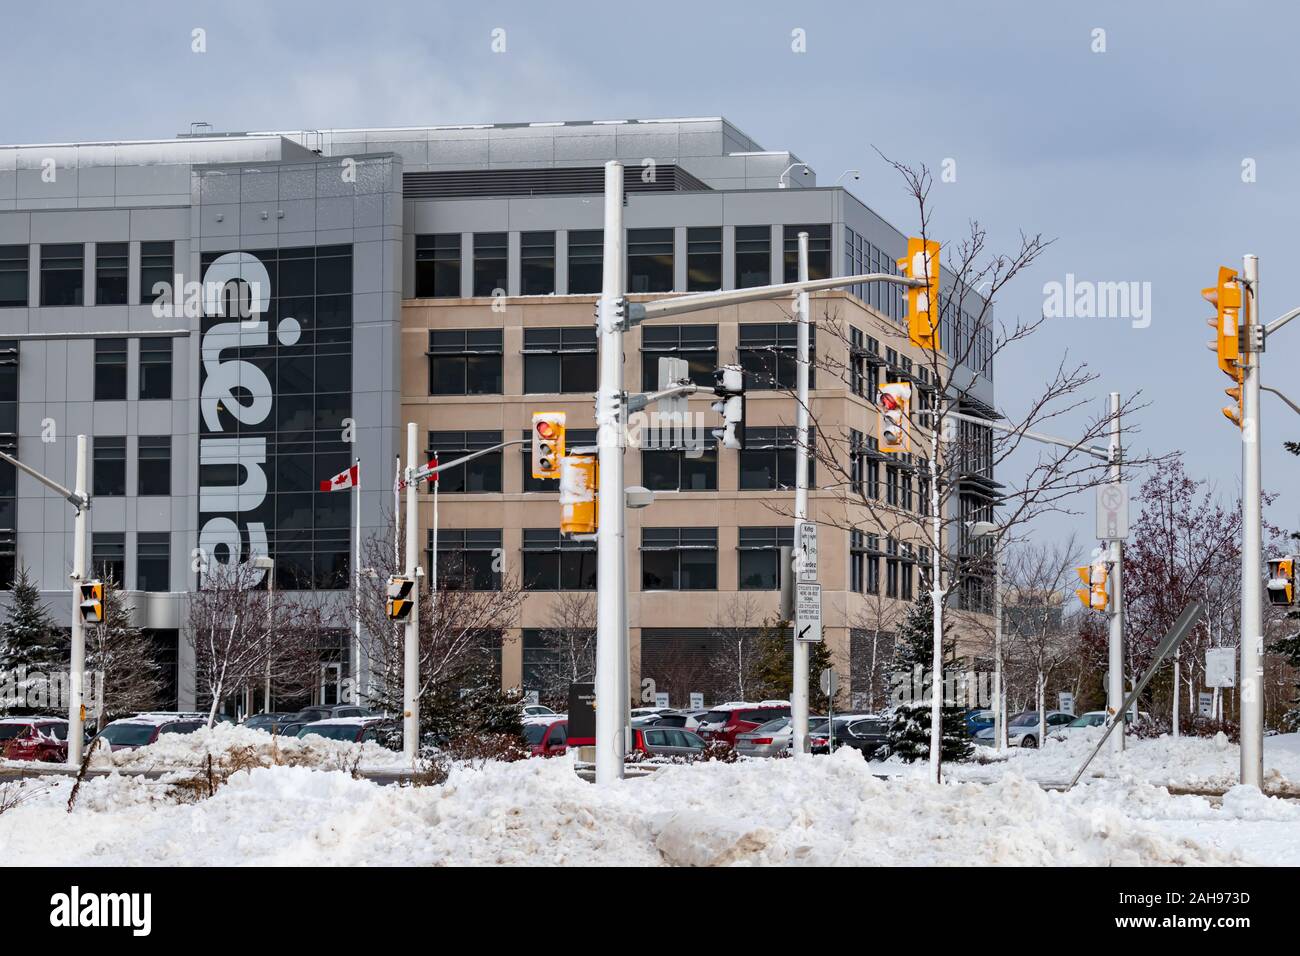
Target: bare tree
{"type": "Point", "coordinates": [1037, 579]}
{"type": "Point", "coordinates": [122, 658]}
{"type": "Point", "coordinates": [734, 625]}
{"type": "Point", "coordinates": [570, 637]}
{"type": "Point", "coordinates": [875, 622]}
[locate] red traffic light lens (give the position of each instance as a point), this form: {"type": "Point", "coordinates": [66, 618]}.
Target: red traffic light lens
{"type": "Point", "coordinates": [889, 402]}
{"type": "Point", "coordinates": [546, 429]}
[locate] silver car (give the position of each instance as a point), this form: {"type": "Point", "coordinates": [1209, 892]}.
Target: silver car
{"type": "Point", "coordinates": [766, 740]}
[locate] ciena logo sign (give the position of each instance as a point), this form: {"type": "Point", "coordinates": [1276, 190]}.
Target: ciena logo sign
{"type": "Point", "coordinates": [243, 392]}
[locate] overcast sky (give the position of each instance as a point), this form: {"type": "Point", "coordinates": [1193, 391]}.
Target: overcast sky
{"type": "Point", "coordinates": [1131, 158]}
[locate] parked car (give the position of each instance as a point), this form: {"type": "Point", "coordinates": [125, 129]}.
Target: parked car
{"type": "Point", "coordinates": [34, 738]}
{"type": "Point", "coordinates": [666, 742]}
{"type": "Point", "coordinates": [1022, 730]}
{"type": "Point", "coordinates": [537, 710]}
{"type": "Point", "coordinates": [353, 730]}
{"type": "Point", "coordinates": [726, 721]}
{"type": "Point", "coordinates": [685, 719]}
{"type": "Point", "coordinates": [546, 737]}
{"type": "Point", "coordinates": [144, 729]}
{"type": "Point", "coordinates": [1096, 718]}
{"type": "Point", "coordinates": [271, 723]}
{"type": "Point", "coordinates": [976, 720]}
{"type": "Point", "coordinates": [319, 712]}
{"type": "Point", "coordinates": [766, 740]}
{"type": "Point", "coordinates": [867, 733]}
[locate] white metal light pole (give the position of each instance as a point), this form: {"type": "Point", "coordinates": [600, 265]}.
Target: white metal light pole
{"type": "Point", "coordinates": [611, 589]}
{"type": "Point", "coordinates": [411, 658]}
{"type": "Point", "coordinates": [799, 687]}
{"type": "Point", "coordinates": [76, 702]}
{"type": "Point", "coordinates": [1252, 629]}
{"type": "Point", "coordinates": [267, 562]}
{"type": "Point", "coordinates": [1115, 583]}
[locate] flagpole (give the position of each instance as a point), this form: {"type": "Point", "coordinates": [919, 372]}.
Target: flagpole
{"type": "Point", "coordinates": [397, 517]}
{"type": "Point", "coordinates": [356, 600]}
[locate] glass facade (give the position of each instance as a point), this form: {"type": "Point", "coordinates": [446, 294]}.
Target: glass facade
{"type": "Point", "coordinates": [271, 416]}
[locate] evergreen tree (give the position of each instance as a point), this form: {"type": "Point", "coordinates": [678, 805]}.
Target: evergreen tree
{"type": "Point", "coordinates": [30, 648]}
{"type": "Point", "coordinates": [120, 662]}
{"type": "Point", "coordinates": [774, 666]}
{"type": "Point", "coordinates": [909, 734]}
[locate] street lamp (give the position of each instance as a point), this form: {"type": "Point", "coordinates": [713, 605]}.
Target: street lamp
{"type": "Point", "coordinates": [985, 529]}
{"type": "Point", "coordinates": [267, 562]}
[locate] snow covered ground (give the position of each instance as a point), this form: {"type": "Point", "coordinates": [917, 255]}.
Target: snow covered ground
{"type": "Point", "coordinates": [810, 810]}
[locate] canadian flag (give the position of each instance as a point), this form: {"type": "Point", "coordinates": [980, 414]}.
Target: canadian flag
{"type": "Point", "coordinates": [344, 479]}
{"type": "Point", "coordinates": [433, 464]}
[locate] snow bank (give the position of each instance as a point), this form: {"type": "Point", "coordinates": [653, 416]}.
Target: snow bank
{"type": "Point", "coordinates": [809, 810]}
{"type": "Point", "coordinates": [190, 751]}
{"type": "Point", "coordinates": [1192, 763]}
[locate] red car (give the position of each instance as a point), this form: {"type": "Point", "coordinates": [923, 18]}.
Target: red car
{"type": "Point", "coordinates": [34, 738]}
{"type": "Point", "coordinates": [547, 738]}
{"type": "Point", "coordinates": [725, 721]}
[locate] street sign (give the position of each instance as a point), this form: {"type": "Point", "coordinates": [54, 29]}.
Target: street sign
{"type": "Point", "coordinates": [697, 700]}
{"type": "Point", "coordinates": [807, 544]}
{"type": "Point", "coordinates": [1221, 667]}
{"type": "Point", "coordinates": [1065, 702]}
{"type": "Point", "coordinates": [532, 697]}
{"type": "Point", "coordinates": [808, 613]}
{"type": "Point", "coordinates": [1205, 703]}
{"type": "Point", "coordinates": [1112, 511]}
{"type": "Point", "coordinates": [661, 700]}
{"type": "Point", "coordinates": [830, 682]}
{"type": "Point", "coordinates": [671, 372]}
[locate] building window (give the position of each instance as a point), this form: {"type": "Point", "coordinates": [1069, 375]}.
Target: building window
{"type": "Point", "coordinates": [753, 256]}
{"type": "Point", "coordinates": [767, 462]}
{"type": "Point", "coordinates": [157, 265]}
{"type": "Point", "coordinates": [857, 461]}
{"type": "Point", "coordinates": [108, 556]}
{"type": "Point", "coordinates": [154, 472]}
{"type": "Point", "coordinates": [153, 561]}
{"type": "Point", "coordinates": [479, 476]}
{"type": "Point", "coordinates": [891, 568]}
{"type": "Point", "coordinates": [63, 274]}
{"type": "Point", "coordinates": [155, 368]}
{"type": "Point", "coordinates": [819, 252]}
{"type": "Point", "coordinates": [111, 273]}
{"type": "Point", "coordinates": [555, 562]}
{"type": "Point", "coordinates": [649, 260]}
{"type": "Point", "coordinates": [760, 557]}
{"type": "Point", "coordinates": [110, 370]}
{"type": "Point", "coordinates": [680, 470]}
{"type": "Point", "coordinates": [769, 355]}
{"type": "Point", "coordinates": [573, 438]}
{"type": "Point", "coordinates": [871, 466]}
{"type": "Point", "coordinates": [560, 360]}
{"type": "Point", "coordinates": [109, 457]}
{"type": "Point", "coordinates": [679, 559]}
{"type": "Point", "coordinates": [891, 485]}
{"type": "Point", "coordinates": [491, 258]}
{"type": "Point", "coordinates": [537, 263]}
{"type": "Point", "coordinates": [704, 259]}
{"type": "Point", "coordinates": [465, 362]}
{"type": "Point", "coordinates": [864, 563]}
{"type": "Point", "coordinates": [13, 276]}
{"type": "Point", "coordinates": [468, 559]}
{"type": "Point", "coordinates": [905, 489]}
{"type": "Point", "coordinates": [698, 344]}
{"type": "Point", "coordinates": [586, 258]}
{"type": "Point", "coordinates": [437, 266]}
{"type": "Point", "coordinates": [905, 573]}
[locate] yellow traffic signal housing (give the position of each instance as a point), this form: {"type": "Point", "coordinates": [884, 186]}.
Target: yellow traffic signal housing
{"type": "Point", "coordinates": [1281, 581]}
{"type": "Point", "coordinates": [922, 262]}
{"type": "Point", "coordinates": [1231, 413]}
{"type": "Point", "coordinates": [1225, 296]}
{"type": "Point", "coordinates": [548, 444]}
{"type": "Point", "coordinates": [1094, 596]}
{"type": "Point", "coordinates": [400, 599]}
{"type": "Point", "coordinates": [895, 403]}
{"type": "Point", "coordinates": [92, 601]}
{"type": "Point", "coordinates": [578, 514]}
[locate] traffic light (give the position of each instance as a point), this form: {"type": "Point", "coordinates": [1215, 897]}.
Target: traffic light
{"type": "Point", "coordinates": [1225, 296]}
{"type": "Point", "coordinates": [1281, 581]}
{"type": "Point", "coordinates": [729, 386]}
{"type": "Point", "coordinates": [1094, 596]}
{"type": "Point", "coordinates": [400, 602]}
{"type": "Point", "coordinates": [578, 494]}
{"type": "Point", "coordinates": [895, 403]}
{"type": "Point", "coordinates": [548, 444]}
{"type": "Point", "coordinates": [922, 262]}
{"type": "Point", "coordinates": [92, 601]}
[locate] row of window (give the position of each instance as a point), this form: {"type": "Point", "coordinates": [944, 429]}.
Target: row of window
{"type": "Point", "coordinates": [155, 378]}
{"type": "Point", "coordinates": [672, 559]}
{"type": "Point", "coordinates": [152, 558]}
{"type": "Point", "coordinates": [767, 463]}
{"type": "Point", "coordinates": [153, 465]}
{"type": "Point", "coordinates": [650, 255]}
{"type": "Point", "coordinates": [63, 273]}
{"type": "Point", "coordinates": [559, 360]}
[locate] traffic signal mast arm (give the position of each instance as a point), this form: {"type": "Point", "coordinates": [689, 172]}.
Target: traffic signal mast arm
{"type": "Point", "coordinates": [637, 312]}
{"type": "Point", "coordinates": [76, 500]}
{"type": "Point", "coordinates": [421, 474]}
{"type": "Point", "coordinates": [1101, 453]}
